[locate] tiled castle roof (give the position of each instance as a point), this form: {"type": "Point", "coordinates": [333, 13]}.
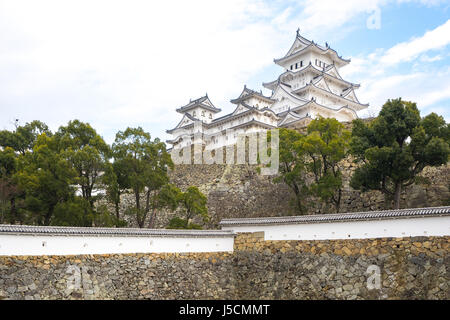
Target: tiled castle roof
{"type": "Point", "coordinates": [203, 102]}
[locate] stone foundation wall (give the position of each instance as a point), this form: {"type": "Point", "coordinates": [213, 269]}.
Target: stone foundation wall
{"type": "Point", "coordinates": [410, 268]}
{"type": "Point", "coordinates": [239, 191]}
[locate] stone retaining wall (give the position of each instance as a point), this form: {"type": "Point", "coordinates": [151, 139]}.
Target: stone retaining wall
{"type": "Point", "coordinates": [238, 191]}
{"type": "Point", "coordinates": [410, 268]}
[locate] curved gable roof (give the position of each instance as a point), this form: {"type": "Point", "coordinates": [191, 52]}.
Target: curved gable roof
{"type": "Point", "coordinates": [247, 93]}
{"type": "Point", "coordinates": [183, 119]}
{"type": "Point", "coordinates": [283, 89]}
{"type": "Point", "coordinates": [307, 44]}
{"type": "Point", "coordinates": [202, 102]}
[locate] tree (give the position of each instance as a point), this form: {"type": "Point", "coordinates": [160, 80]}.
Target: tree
{"type": "Point", "coordinates": [8, 187]}
{"type": "Point", "coordinates": [324, 147]}
{"type": "Point", "coordinates": [87, 152]}
{"type": "Point", "coordinates": [46, 177]}
{"type": "Point", "coordinates": [194, 204]}
{"type": "Point", "coordinates": [116, 182]}
{"type": "Point", "coordinates": [292, 170]}
{"type": "Point", "coordinates": [435, 126]}
{"type": "Point", "coordinates": [396, 147]}
{"type": "Point", "coordinates": [146, 162]}
{"type": "Point", "coordinates": [169, 196]}
{"type": "Point", "coordinates": [20, 141]}
{"type": "Point", "coordinates": [24, 137]}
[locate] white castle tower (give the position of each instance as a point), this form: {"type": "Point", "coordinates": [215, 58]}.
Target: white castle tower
{"type": "Point", "coordinates": [310, 86]}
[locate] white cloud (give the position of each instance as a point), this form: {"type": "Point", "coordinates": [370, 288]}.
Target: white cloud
{"type": "Point", "coordinates": [409, 50]}
{"type": "Point", "coordinates": [122, 63]}
{"type": "Point", "coordinates": [428, 85]}
{"type": "Point", "coordinates": [426, 58]}
{"type": "Point", "coordinates": [127, 63]}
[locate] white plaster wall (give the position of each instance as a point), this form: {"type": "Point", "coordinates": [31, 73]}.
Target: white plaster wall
{"type": "Point", "coordinates": [198, 114]}
{"type": "Point", "coordinates": [322, 57]}
{"type": "Point", "coordinates": [18, 244]}
{"type": "Point", "coordinates": [306, 57]}
{"type": "Point", "coordinates": [409, 227]}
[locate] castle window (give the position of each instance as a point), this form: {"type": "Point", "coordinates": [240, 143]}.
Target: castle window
{"type": "Point", "coordinates": [291, 66]}
{"type": "Point", "coordinates": [203, 113]}
{"type": "Point", "coordinates": [210, 116]}
{"type": "Point", "coordinates": [301, 63]}
{"type": "Point", "coordinates": [296, 65]}
{"type": "Point", "coordinates": [193, 114]}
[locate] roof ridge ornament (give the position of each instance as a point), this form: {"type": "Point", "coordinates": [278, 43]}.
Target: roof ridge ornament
{"type": "Point", "coordinates": [298, 32]}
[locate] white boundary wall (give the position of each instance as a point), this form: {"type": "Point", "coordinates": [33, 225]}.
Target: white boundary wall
{"type": "Point", "coordinates": [395, 228]}
{"type": "Point", "coordinates": [28, 244]}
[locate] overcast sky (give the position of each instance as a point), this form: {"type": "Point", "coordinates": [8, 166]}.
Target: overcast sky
{"type": "Point", "coordinates": [116, 64]}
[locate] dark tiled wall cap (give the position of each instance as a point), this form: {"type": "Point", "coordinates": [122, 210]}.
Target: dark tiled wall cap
{"type": "Point", "coordinates": [54, 230]}
{"type": "Point", "coordinates": [341, 217]}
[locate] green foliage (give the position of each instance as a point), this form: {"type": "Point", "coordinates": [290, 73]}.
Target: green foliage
{"type": "Point", "coordinates": [435, 126]}
{"type": "Point", "coordinates": [194, 204]}
{"type": "Point", "coordinates": [116, 182]}
{"type": "Point", "coordinates": [46, 177]}
{"type": "Point", "coordinates": [292, 170]}
{"type": "Point", "coordinates": [179, 223]}
{"type": "Point", "coordinates": [169, 196]}
{"type": "Point", "coordinates": [8, 162]}
{"type": "Point", "coordinates": [74, 212]}
{"type": "Point", "coordinates": [43, 171]}
{"type": "Point", "coordinates": [88, 154]}
{"type": "Point", "coordinates": [325, 145]}
{"type": "Point", "coordinates": [145, 163]}
{"type": "Point", "coordinates": [103, 218]}
{"type": "Point", "coordinates": [39, 174]}
{"type": "Point", "coordinates": [15, 143]}
{"type": "Point", "coordinates": [8, 188]}
{"type": "Point", "coordinates": [309, 164]}
{"type": "Point", "coordinates": [395, 148]}
{"type": "Point", "coordinates": [24, 137]}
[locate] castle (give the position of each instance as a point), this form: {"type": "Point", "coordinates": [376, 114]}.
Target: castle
{"type": "Point", "coordinates": [310, 86]}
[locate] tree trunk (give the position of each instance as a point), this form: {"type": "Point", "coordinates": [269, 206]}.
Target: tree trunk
{"type": "Point", "coordinates": [138, 207]}
{"type": "Point", "coordinates": [13, 210]}
{"type": "Point", "coordinates": [117, 210]}
{"type": "Point", "coordinates": [152, 219]}
{"type": "Point", "coordinates": [137, 197]}
{"type": "Point", "coordinates": [48, 216]}
{"type": "Point", "coordinates": [338, 201]}
{"type": "Point", "coordinates": [299, 199]}
{"type": "Point", "coordinates": [117, 205]}
{"type": "Point", "coordinates": [398, 191]}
